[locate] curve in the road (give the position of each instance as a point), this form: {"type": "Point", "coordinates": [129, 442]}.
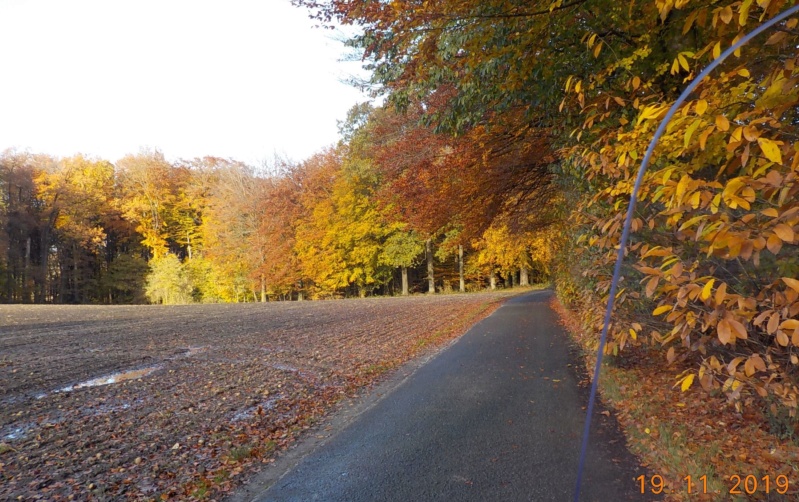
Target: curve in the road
{"type": "Point", "coordinates": [496, 416]}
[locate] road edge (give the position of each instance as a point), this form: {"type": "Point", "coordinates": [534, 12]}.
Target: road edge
{"type": "Point", "coordinates": [346, 412]}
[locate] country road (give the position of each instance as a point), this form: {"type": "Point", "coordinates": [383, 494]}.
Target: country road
{"type": "Point", "coordinates": [496, 416]}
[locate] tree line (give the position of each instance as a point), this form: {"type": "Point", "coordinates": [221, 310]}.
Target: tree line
{"type": "Point", "coordinates": [576, 89]}
{"type": "Point", "coordinates": [359, 218]}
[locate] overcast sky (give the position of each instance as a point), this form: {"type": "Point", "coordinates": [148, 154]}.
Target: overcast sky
{"type": "Point", "coordinates": [230, 78]}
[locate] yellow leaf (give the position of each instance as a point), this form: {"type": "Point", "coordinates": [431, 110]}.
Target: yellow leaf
{"type": "Point", "coordinates": [650, 112]}
{"type": "Point", "coordinates": [792, 283]}
{"type": "Point", "coordinates": [722, 123]}
{"type": "Point", "coordinates": [744, 12]}
{"type": "Point", "coordinates": [662, 309]}
{"type": "Point", "coordinates": [633, 334]}
{"type": "Point", "coordinates": [717, 50]}
{"type": "Point", "coordinates": [782, 338]}
{"type": "Point", "coordinates": [784, 232]}
{"type": "Point", "coordinates": [686, 383]}
{"type": "Point", "coordinates": [636, 83]}
{"type": "Point", "coordinates": [683, 62]}
{"type": "Point", "coordinates": [707, 290]}
{"type": "Point", "coordinates": [701, 107]}
{"type": "Point", "coordinates": [690, 132]}
{"type": "Point", "coordinates": [770, 150]}
{"type": "Point", "coordinates": [675, 67]}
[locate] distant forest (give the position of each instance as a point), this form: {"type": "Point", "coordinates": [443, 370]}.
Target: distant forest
{"type": "Point", "coordinates": [370, 216]}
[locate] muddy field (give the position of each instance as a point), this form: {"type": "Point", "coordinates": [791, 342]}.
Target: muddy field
{"type": "Point", "coordinates": [183, 402]}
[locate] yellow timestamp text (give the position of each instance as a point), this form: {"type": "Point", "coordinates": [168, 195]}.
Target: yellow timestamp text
{"type": "Point", "coordinates": [739, 484]}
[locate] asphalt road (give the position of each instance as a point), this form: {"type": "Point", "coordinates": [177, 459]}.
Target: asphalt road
{"type": "Point", "coordinates": [498, 415]}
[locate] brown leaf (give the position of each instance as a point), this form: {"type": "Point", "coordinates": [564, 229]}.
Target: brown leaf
{"type": "Point", "coordinates": [738, 328]}
{"type": "Point", "coordinates": [724, 331]}
{"type": "Point", "coordinates": [773, 323]}
{"type": "Point", "coordinates": [784, 232]}
{"type": "Point", "coordinates": [670, 355]}
{"type": "Point", "coordinates": [651, 285]}
{"type": "Point", "coordinates": [774, 244]}
{"type": "Point", "coordinates": [792, 283]}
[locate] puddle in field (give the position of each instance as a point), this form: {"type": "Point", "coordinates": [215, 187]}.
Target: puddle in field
{"type": "Point", "coordinates": [250, 412]}
{"type": "Point", "coordinates": [16, 433]}
{"type": "Point", "coordinates": [112, 378]}
{"type": "Point", "coordinates": [190, 352]}
{"type": "Point", "coordinates": [284, 367]}
{"type": "Point", "coordinates": [193, 351]}
{"type": "Point", "coordinates": [306, 374]}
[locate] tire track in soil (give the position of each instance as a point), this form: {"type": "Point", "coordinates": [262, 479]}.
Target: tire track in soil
{"type": "Point", "coordinates": [234, 384]}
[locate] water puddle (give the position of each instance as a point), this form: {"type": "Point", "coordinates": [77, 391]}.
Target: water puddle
{"type": "Point", "coordinates": [305, 374]}
{"type": "Point", "coordinates": [16, 433]}
{"type": "Point", "coordinates": [113, 378]}
{"type": "Point", "coordinates": [189, 352]}
{"type": "Point", "coordinates": [105, 409]}
{"type": "Point", "coordinates": [284, 367]}
{"type": "Point", "coordinates": [250, 412]}
{"type": "Point", "coordinates": [193, 351]}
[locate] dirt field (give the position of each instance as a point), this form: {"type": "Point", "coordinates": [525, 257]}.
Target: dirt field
{"type": "Point", "coordinates": [213, 391]}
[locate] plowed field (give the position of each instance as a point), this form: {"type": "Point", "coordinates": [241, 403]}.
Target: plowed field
{"type": "Point", "coordinates": [162, 402]}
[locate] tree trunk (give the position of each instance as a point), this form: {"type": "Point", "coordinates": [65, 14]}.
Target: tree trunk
{"type": "Point", "coordinates": [524, 277]}
{"type": "Point", "coordinates": [27, 273]}
{"type": "Point", "coordinates": [404, 281]}
{"type": "Point", "coordinates": [263, 290]}
{"type": "Point", "coordinates": [75, 274]}
{"type": "Point", "coordinates": [513, 279]}
{"type": "Point", "coordinates": [431, 283]}
{"type": "Point", "coordinates": [460, 269]}
{"type": "Point", "coordinates": [493, 280]}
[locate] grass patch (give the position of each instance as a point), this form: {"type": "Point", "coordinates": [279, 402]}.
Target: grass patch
{"type": "Point", "coordinates": [241, 453]}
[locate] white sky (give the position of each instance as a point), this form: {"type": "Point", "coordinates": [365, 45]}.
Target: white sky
{"type": "Point", "coordinates": [231, 78]}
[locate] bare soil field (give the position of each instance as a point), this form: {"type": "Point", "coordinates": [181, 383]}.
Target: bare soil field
{"type": "Point", "coordinates": [183, 402]}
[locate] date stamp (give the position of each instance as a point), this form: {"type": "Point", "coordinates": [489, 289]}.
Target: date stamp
{"type": "Point", "coordinates": [739, 484]}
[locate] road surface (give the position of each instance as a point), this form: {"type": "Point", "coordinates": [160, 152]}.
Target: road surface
{"type": "Point", "coordinates": [498, 415]}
